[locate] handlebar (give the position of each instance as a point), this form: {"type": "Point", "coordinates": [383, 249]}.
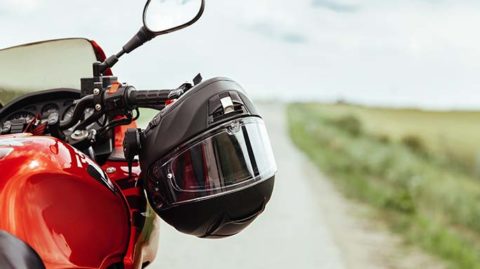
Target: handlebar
{"type": "Point", "coordinates": [122, 99]}
{"type": "Point", "coordinates": [149, 98]}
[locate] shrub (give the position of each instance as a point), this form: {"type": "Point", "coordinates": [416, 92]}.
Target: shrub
{"type": "Point", "coordinates": [383, 138]}
{"type": "Point", "coordinates": [414, 143]}
{"type": "Point", "coordinates": [349, 123]}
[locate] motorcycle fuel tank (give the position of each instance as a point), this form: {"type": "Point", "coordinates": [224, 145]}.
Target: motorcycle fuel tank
{"type": "Point", "coordinates": [60, 203]}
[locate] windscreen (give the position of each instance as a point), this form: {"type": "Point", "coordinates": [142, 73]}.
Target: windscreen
{"type": "Point", "coordinates": [43, 66]}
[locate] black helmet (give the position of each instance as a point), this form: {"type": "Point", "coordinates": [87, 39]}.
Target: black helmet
{"type": "Point", "coordinates": [208, 162]}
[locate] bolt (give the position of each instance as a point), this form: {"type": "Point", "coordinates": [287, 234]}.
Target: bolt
{"type": "Point", "coordinates": [111, 170]}
{"type": "Point", "coordinates": [98, 107]}
{"type": "Point", "coordinates": [96, 91]}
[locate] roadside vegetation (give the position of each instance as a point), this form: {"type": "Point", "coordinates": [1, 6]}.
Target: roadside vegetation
{"type": "Point", "coordinates": [416, 169]}
{"type": "Point", "coordinates": [146, 115]}
{"type": "Point", "coordinates": [7, 96]}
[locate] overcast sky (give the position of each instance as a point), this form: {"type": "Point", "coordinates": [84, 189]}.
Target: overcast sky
{"type": "Point", "coordinates": [385, 52]}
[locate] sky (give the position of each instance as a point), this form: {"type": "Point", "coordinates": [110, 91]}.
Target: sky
{"type": "Point", "coordinates": [420, 53]}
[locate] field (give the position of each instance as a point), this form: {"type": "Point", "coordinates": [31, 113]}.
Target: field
{"type": "Point", "coordinates": [416, 169]}
{"type": "Point", "coordinates": [450, 134]}
{"type": "Point", "coordinates": [146, 115]}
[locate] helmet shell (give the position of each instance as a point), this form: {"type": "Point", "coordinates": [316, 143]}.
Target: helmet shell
{"type": "Point", "coordinates": [194, 114]}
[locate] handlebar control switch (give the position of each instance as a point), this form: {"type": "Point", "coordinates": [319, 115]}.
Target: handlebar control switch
{"type": "Point", "coordinates": [114, 99]}
{"type": "Point", "coordinates": [132, 144]}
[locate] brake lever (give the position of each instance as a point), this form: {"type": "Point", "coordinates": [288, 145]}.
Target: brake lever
{"type": "Point", "coordinates": [177, 93]}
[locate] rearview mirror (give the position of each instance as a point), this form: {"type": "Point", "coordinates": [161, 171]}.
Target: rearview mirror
{"type": "Point", "coordinates": [159, 17]}
{"type": "Point", "coordinates": [165, 16]}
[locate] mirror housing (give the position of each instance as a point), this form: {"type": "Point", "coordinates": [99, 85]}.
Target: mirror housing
{"type": "Point", "coordinates": [144, 35]}
{"type": "Point", "coordinates": [192, 11]}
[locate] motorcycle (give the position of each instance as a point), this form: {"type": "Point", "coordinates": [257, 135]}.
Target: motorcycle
{"type": "Point", "coordinates": [81, 186]}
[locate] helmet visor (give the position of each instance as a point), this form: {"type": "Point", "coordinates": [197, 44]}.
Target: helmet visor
{"type": "Point", "coordinates": [232, 156]}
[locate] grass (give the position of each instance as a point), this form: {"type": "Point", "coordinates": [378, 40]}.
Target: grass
{"type": "Point", "coordinates": [146, 115]}
{"type": "Point", "coordinates": [396, 169]}
{"type": "Point", "coordinates": [7, 96]}
{"type": "Point", "coordinates": [452, 134]}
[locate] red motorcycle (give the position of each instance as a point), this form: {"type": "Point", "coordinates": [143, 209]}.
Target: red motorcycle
{"type": "Point", "coordinates": [81, 186]}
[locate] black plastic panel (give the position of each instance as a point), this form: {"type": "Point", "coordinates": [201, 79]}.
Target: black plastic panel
{"type": "Point", "coordinates": [16, 254]}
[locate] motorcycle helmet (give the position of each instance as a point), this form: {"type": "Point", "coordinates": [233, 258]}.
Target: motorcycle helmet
{"type": "Point", "coordinates": [208, 162]}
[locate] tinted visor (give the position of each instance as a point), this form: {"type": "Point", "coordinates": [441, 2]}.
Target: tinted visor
{"type": "Point", "coordinates": [233, 156]}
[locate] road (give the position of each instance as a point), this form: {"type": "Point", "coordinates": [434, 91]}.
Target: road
{"type": "Point", "coordinates": [307, 224]}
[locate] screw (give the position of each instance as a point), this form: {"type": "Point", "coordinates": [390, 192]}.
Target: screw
{"type": "Point", "coordinates": [111, 170]}
{"type": "Point", "coordinates": [96, 91]}
{"type": "Point", "coordinates": [98, 107]}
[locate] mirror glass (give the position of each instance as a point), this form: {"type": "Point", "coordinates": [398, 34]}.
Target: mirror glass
{"type": "Point", "coordinates": [165, 15]}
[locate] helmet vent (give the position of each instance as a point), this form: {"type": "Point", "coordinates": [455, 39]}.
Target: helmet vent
{"type": "Point", "coordinates": [225, 105]}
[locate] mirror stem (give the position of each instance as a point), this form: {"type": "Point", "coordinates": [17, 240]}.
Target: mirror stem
{"type": "Point", "coordinates": [144, 35]}
{"type": "Point", "coordinates": [100, 68]}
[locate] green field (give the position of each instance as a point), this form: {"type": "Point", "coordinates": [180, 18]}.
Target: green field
{"type": "Point", "coordinates": [414, 168]}
{"type": "Point", "coordinates": [7, 96]}
{"type": "Point", "coordinates": [449, 134]}
{"type": "Point", "coordinates": [146, 115]}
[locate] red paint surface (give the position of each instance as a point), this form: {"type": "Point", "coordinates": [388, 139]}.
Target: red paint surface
{"type": "Point", "coordinates": [48, 200]}
{"type": "Point", "coordinates": [144, 231]}
{"type": "Point", "coordinates": [101, 56]}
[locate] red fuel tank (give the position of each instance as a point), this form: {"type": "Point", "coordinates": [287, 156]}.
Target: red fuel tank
{"type": "Point", "coordinates": [60, 202]}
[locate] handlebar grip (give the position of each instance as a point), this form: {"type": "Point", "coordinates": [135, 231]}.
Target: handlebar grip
{"type": "Point", "coordinates": [152, 98]}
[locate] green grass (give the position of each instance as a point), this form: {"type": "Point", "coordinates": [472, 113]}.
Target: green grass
{"type": "Point", "coordinates": [146, 115]}
{"type": "Point", "coordinates": [7, 96]}
{"type": "Point", "coordinates": [422, 195]}
{"type": "Point", "coordinates": [454, 135]}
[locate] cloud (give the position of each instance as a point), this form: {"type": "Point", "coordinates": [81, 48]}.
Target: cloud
{"type": "Point", "coordinates": [276, 32]}
{"type": "Point", "coordinates": [23, 6]}
{"type": "Point", "coordinates": [306, 49]}
{"type": "Point", "coordinates": [294, 38]}
{"type": "Point", "coordinates": [335, 6]}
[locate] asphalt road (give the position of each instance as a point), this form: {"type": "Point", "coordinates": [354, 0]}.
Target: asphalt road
{"type": "Point", "coordinates": [292, 233]}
